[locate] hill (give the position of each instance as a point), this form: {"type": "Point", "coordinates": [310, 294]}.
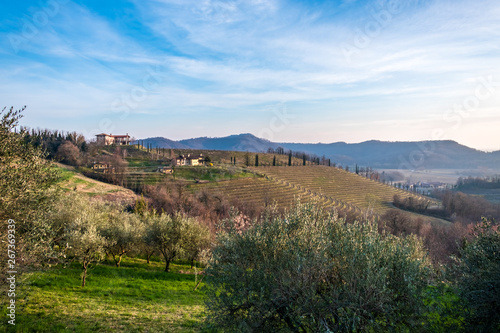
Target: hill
{"type": "Point", "coordinates": [71, 180]}
{"type": "Point", "coordinates": [243, 184]}
{"type": "Point", "coordinates": [444, 154]}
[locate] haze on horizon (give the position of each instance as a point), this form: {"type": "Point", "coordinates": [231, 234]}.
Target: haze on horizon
{"type": "Point", "coordinates": [287, 71]}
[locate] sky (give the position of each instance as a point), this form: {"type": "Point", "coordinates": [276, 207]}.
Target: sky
{"type": "Point", "coordinates": [284, 70]}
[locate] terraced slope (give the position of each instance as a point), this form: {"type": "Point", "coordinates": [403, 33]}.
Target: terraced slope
{"type": "Point", "coordinates": [257, 191]}
{"type": "Point", "coordinates": [268, 191]}
{"type": "Point", "coordinates": [342, 186]}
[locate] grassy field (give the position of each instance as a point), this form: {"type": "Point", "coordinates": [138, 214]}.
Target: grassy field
{"type": "Point", "coordinates": [136, 297]}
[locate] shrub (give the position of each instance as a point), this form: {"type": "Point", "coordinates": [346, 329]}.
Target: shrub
{"type": "Point", "coordinates": [477, 273]}
{"type": "Point", "coordinates": [310, 271]}
{"type": "Point", "coordinates": [27, 194]}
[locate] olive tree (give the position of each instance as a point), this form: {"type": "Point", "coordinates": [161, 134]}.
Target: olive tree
{"type": "Point", "coordinates": [477, 277]}
{"type": "Point", "coordinates": [82, 236]}
{"type": "Point", "coordinates": [147, 244]}
{"type": "Point", "coordinates": [166, 234]}
{"type": "Point", "coordinates": [175, 235]}
{"type": "Point", "coordinates": [196, 239]}
{"type": "Point", "coordinates": [122, 232]}
{"type": "Point", "coordinates": [27, 193]}
{"type": "Point", "coordinates": [309, 271]}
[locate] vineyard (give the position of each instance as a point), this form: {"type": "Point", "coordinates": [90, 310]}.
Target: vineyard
{"type": "Point", "coordinates": [329, 187]}
{"type": "Point", "coordinates": [344, 187]}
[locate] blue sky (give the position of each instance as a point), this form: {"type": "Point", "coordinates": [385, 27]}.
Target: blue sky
{"type": "Point", "coordinates": [290, 71]}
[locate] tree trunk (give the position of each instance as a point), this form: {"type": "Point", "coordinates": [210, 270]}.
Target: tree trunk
{"type": "Point", "coordinates": [84, 275]}
{"type": "Point", "coordinates": [199, 282]}
{"type": "Point", "coordinates": [119, 260]}
{"type": "Point", "coordinates": [167, 265]}
{"type": "Point", "coordinates": [148, 256]}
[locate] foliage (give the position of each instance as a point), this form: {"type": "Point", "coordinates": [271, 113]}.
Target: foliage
{"type": "Point", "coordinates": [82, 236]}
{"type": "Point", "coordinates": [311, 271]}
{"type": "Point", "coordinates": [444, 309]}
{"type": "Point", "coordinates": [123, 233]}
{"type": "Point", "coordinates": [477, 273]}
{"type": "Point", "coordinates": [196, 239]}
{"type": "Point", "coordinates": [467, 207]}
{"type": "Point", "coordinates": [68, 153]}
{"type": "Point", "coordinates": [50, 141]}
{"type": "Point", "coordinates": [168, 234]}
{"type": "Point", "coordinates": [27, 193]}
{"type": "Point", "coordinates": [146, 246]}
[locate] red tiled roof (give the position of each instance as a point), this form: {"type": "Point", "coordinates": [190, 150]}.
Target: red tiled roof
{"type": "Point", "coordinates": [114, 136]}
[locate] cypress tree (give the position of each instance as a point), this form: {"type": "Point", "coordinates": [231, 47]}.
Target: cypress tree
{"type": "Point", "coordinates": [274, 160]}
{"type": "Point", "coordinates": [304, 159]}
{"type": "Point", "coordinates": [256, 160]}
{"type": "Point", "coordinates": [290, 159]}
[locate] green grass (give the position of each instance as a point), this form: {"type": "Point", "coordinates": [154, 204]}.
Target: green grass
{"type": "Point", "coordinates": [211, 174]}
{"type": "Point", "coordinates": [64, 174]}
{"type": "Point", "coordinates": [133, 298]}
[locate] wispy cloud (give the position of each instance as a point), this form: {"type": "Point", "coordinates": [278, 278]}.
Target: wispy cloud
{"type": "Point", "coordinates": [238, 56]}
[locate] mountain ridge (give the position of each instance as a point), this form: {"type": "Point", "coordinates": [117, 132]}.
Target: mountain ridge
{"type": "Point", "coordinates": [428, 154]}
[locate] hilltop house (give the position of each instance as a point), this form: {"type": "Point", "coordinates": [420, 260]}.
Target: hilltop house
{"type": "Point", "coordinates": [190, 160]}
{"type": "Point", "coordinates": [109, 139]}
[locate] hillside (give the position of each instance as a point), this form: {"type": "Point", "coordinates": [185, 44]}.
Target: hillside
{"type": "Point", "coordinates": [329, 187]}
{"type": "Point", "coordinates": [75, 181]}
{"type": "Point", "coordinates": [376, 154]}
{"type": "Point", "coordinates": [245, 184]}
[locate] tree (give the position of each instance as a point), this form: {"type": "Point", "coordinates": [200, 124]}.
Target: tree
{"type": "Point", "coordinates": [256, 160]}
{"type": "Point", "coordinates": [274, 160]}
{"type": "Point", "coordinates": [247, 159]}
{"type": "Point", "coordinates": [27, 193]}
{"type": "Point", "coordinates": [84, 241]}
{"type": "Point", "coordinates": [68, 153]}
{"type": "Point", "coordinates": [166, 233]}
{"type": "Point", "coordinates": [309, 271]}
{"type": "Point", "coordinates": [476, 275]}
{"type": "Point", "coordinates": [290, 158]}
{"type": "Point", "coordinates": [196, 238]}
{"type": "Point", "coordinates": [303, 159]}
{"type": "Point", "coordinates": [122, 233]}
{"type": "Point", "coordinates": [146, 244]}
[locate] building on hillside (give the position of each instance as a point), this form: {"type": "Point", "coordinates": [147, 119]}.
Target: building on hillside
{"type": "Point", "coordinates": [190, 160]}
{"type": "Point", "coordinates": [109, 139]}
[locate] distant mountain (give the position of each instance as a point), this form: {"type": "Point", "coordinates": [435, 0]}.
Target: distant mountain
{"type": "Point", "coordinates": [240, 142]}
{"type": "Point", "coordinates": [443, 154]}
{"type": "Point", "coordinates": [160, 142]}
